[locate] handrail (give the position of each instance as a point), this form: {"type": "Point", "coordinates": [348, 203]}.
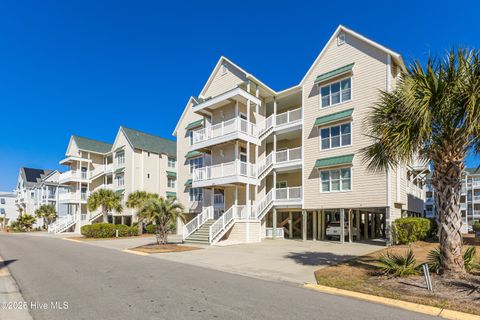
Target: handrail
{"type": "Point", "coordinates": [197, 222]}
{"type": "Point", "coordinates": [275, 120]}
{"type": "Point", "coordinates": [222, 170]}
{"type": "Point", "coordinates": [263, 204]}
{"type": "Point", "coordinates": [218, 226]}
{"type": "Point", "coordinates": [223, 128]}
{"type": "Point", "coordinates": [264, 164]}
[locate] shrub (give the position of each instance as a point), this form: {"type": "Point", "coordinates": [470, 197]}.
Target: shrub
{"type": "Point", "coordinates": [433, 234]}
{"type": "Point", "coordinates": [150, 229]}
{"type": "Point", "coordinates": [397, 264]}
{"type": "Point", "coordinates": [434, 259]}
{"type": "Point", "coordinates": [107, 230]}
{"type": "Point", "coordinates": [476, 226]}
{"type": "Point", "coordinates": [408, 230]}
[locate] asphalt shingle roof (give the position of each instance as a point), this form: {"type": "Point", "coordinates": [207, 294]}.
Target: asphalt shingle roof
{"type": "Point", "coordinates": [33, 176]}
{"type": "Point", "coordinates": [92, 145]}
{"type": "Point", "coordinates": [150, 142]}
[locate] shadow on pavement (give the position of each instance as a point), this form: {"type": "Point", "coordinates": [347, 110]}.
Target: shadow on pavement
{"type": "Point", "coordinates": [318, 258]}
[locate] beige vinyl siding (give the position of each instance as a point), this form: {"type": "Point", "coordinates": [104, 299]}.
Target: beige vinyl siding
{"type": "Point", "coordinates": [224, 82]}
{"type": "Point", "coordinates": [369, 75]}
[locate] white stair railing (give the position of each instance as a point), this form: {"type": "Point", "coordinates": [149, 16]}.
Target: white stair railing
{"type": "Point", "coordinates": [63, 223]}
{"type": "Point", "coordinates": [266, 125]}
{"type": "Point", "coordinates": [264, 204]}
{"type": "Point", "coordinates": [218, 226]}
{"type": "Point", "coordinates": [197, 222]}
{"type": "Point", "coordinates": [264, 164]}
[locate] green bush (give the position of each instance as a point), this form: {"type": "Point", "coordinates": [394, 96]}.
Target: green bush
{"type": "Point", "coordinates": [434, 259]}
{"type": "Point", "coordinates": [150, 229]}
{"type": "Point", "coordinates": [476, 226]}
{"type": "Point", "coordinates": [107, 230]}
{"type": "Point", "coordinates": [408, 230]}
{"type": "Point", "coordinates": [398, 265]}
{"type": "Point", "coordinates": [433, 234]}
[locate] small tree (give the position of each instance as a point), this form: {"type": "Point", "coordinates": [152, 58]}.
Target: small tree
{"type": "Point", "coordinates": [105, 199]}
{"type": "Point", "coordinates": [25, 222]}
{"type": "Point", "coordinates": [163, 213]}
{"type": "Point", "coordinates": [136, 200]}
{"type": "Point", "coordinates": [47, 213]}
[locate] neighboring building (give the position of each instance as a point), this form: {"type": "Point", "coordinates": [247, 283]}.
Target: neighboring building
{"type": "Point", "coordinates": [8, 209]}
{"type": "Point", "coordinates": [256, 163]}
{"type": "Point", "coordinates": [36, 187]}
{"type": "Point", "coordinates": [469, 198]}
{"type": "Point", "coordinates": [135, 161]}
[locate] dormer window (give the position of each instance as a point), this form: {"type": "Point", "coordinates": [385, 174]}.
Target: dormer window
{"type": "Point", "coordinates": [341, 39]}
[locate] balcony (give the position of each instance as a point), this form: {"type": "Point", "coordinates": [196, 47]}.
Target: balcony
{"type": "Point", "coordinates": [234, 129]}
{"type": "Point", "coordinates": [73, 176]}
{"type": "Point", "coordinates": [101, 170]}
{"type": "Point", "coordinates": [73, 197]}
{"type": "Point", "coordinates": [236, 94]}
{"type": "Point", "coordinates": [224, 173]}
{"type": "Point", "coordinates": [288, 197]}
{"type": "Point", "coordinates": [463, 206]}
{"type": "Point", "coordinates": [281, 160]}
{"type": "Point", "coordinates": [283, 122]}
{"type": "Point", "coordinates": [476, 198]}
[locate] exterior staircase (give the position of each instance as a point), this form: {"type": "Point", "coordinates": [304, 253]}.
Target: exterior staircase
{"type": "Point", "coordinates": [201, 235]}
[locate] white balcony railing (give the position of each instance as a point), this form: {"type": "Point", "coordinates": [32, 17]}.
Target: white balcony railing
{"type": "Point", "coordinates": [101, 169]}
{"type": "Point", "coordinates": [476, 213]}
{"type": "Point", "coordinates": [73, 175]}
{"type": "Point", "coordinates": [223, 170]}
{"type": "Point", "coordinates": [236, 125]}
{"type": "Point", "coordinates": [293, 194]}
{"type": "Point", "coordinates": [281, 119]}
{"type": "Point", "coordinates": [476, 198]}
{"type": "Point", "coordinates": [279, 232]}
{"type": "Point", "coordinates": [463, 206]}
{"type": "Point", "coordinates": [279, 157]}
{"type": "Point", "coordinates": [73, 196]}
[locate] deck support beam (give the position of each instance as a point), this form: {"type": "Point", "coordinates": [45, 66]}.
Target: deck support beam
{"type": "Point", "coordinates": [322, 235]}
{"type": "Point", "coordinates": [274, 223]}
{"type": "Point", "coordinates": [290, 225]}
{"type": "Point", "coordinates": [304, 225]}
{"type": "Point", "coordinates": [350, 226]}
{"type": "Point", "coordinates": [357, 224]}
{"type": "Point", "coordinates": [314, 222]}
{"type": "Point", "coordinates": [342, 226]}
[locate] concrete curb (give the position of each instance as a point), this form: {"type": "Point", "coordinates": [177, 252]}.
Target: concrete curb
{"type": "Point", "coordinates": [136, 252]}
{"type": "Point", "coordinates": [420, 308]}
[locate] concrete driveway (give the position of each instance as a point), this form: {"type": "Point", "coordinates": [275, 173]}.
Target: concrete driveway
{"type": "Point", "coordinates": [280, 260]}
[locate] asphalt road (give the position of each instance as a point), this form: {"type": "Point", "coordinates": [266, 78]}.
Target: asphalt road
{"type": "Point", "coordinates": [101, 283]}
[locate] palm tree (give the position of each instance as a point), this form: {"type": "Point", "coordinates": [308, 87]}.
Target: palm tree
{"type": "Point", "coordinates": [136, 200]}
{"type": "Point", "coordinates": [163, 213]}
{"type": "Point", "coordinates": [433, 114]}
{"type": "Point", "coordinates": [105, 199]}
{"type": "Point", "coordinates": [47, 213]}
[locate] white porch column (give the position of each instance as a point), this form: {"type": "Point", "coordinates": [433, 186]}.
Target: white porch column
{"type": "Point", "coordinates": [212, 196]}
{"type": "Point", "coordinates": [236, 195]}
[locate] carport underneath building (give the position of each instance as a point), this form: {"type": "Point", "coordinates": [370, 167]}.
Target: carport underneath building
{"type": "Point", "coordinates": [352, 224]}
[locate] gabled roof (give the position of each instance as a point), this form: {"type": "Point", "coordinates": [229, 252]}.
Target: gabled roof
{"type": "Point", "coordinates": [91, 145]}
{"type": "Point", "coordinates": [33, 176]}
{"type": "Point", "coordinates": [396, 56]}
{"type": "Point", "coordinates": [149, 142]}
{"type": "Point", "coordinates": [191, 100]}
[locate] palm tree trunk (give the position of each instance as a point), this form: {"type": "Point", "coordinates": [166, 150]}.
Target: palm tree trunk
{"type": "Point", "coordinates": [140, 227]}
{"type": "Point", "coordinates": [105, 216]}
{"type": "Point", "coordinates": [447, 181]}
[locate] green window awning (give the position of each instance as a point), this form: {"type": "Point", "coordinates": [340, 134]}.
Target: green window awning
{"type": "Point", "coordinates": [192, 154]}
{"type": "Point", "coordinates": [188, 183]}
{"type": "Point", "coordinates": [194, 124]}
{"type": "Point", "coordinates": [171, 194]}
{"type": "Point", "coordinates": [120, 191]}
{"type": "Point", "coordinates": [337, 116]}
{"type": "Point", "coordinates": [334, 161]}
{"type": "Point", "coordinates": [171, 174]}
{"type": "Point", "coordinates": [334, 73]}
{"type": "Point", "coordinates": [119, 149]}
{"type": "Point", "coordinates": [120, 170]}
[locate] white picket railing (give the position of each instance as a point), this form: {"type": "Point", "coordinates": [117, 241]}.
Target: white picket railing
{"type": "Point", "coordinates": [101, 169]}
{"type": "Point", "coordinates": [73, 174]}
{"type": "Point", "coordinates": [263, 204]}
{"type": "Point", "coordinates": [223, 222]}
{"type": "Point", "coordinates": [223, 128]}
{"type": "Point", "coordinates": [288, 155]}
{"type": "Point", "coordinates": [264, 164]}
{"type": "Point", "coordinates": [279, 234]}
{"type": "Point", "coordinates": [288, 194]}
{"type": "Point", "coordinates": [288, 117]}
{"type": "Point", "coordinates": [197, 222]}
{"type": "Point", "coordinates": [223, 170]}
{"type": "Point", "coordinates": [61, 223]}
{"type": "Point", "coordinates": [73, 196]}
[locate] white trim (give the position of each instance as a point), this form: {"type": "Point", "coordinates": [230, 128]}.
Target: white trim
{"type": "Point", "coordinates": [340, 179]}
{"type": "Point", "coordinates": [339, 124]}
{"type": "Point", "coordinates": [189, 104]}
{"type": "Point", "coordinates": [340, 92]}
{"type": "Point", "coordinates": [341, 28]}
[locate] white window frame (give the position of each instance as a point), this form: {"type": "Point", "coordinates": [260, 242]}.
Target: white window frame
{"type": "Point", "coordinates": [120, 178]}
{"type": "Point", "coordinates": [320, 87]}
{"type": "Point", "coordinates": [171, 162]}
{"type": "Point", "coordinates": [2, 201]}
{"type": "Point", "coordinates": [171, 182]}
{"type": "Point", "coordinates": [198, 197]}
{"type": "Point", "coordinates": [120, 158]}
{"type": "Point", "coordinates": [281, 182]}
{"type": "Point", "coordinates": [330, 180]}
{"type": "Point", "coordinates": [196, 166]}
{"type": "Point", "coordinates": [330, 136]}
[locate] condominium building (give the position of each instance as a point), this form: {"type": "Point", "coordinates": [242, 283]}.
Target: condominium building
{"type": "Point", "coordinates": [36, 187]}
{"type": "Point", "coordinates": [469, 198]}
{"type": "Point", "coordinates": [8, 209]}
{"type": "Point", "coordinates": [255, 162]}
{"type": "Point", "coordinates": [135, 161]}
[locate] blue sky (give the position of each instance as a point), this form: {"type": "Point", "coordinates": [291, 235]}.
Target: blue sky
{"type": "Point", "coordinates": [135, 63]}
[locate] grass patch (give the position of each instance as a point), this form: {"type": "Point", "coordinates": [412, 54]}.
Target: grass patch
{"type": "Point", "coordinates": [362, 274]}
{"type": "Point", "coordinates": [164, 248]}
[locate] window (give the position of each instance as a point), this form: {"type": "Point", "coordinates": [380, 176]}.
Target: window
{"type": "Point", "coordinates": [2, 200]}
{"type": "Point", "coordinates": [120, 158]}
{"type": "Point", "coordinates": [336, 180]}
{"type": "Point", "coordinates": [148, 154]}
{"type": "Point", "coordinates": [281, 184]}
{"type": "Point", "coordinates": [196, 194]}
{"type": "Point", "coordinates": [172, 162]}
{"type": "Point", "coordinates": [171, 182]}
{"type": "Point", "coordinates": [336, 92]}
{"type": "Point", "coordinates": [195, 164]}
{"type": "Point", "coordinates": [2, 211]}
{"type": "Point", "coordinates": [243, 154]}
{"type": "Point", "coordinates": [120, 180]}
{"type": "Point", "coordinates": [190, 135]}
{"type": "Point", "coordinates": [336, 136]}
{"type": "Point", "coordinates": [32, 195]}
